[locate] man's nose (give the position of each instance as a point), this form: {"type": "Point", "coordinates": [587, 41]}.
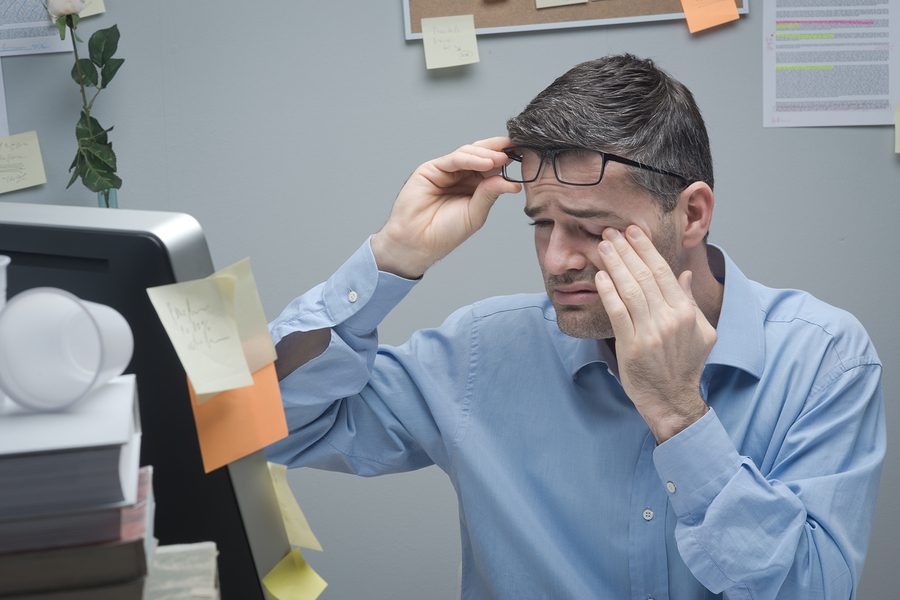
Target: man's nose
{"type": "Point", "coordinates": [564, 253]}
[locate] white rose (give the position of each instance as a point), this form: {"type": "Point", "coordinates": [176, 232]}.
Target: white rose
{"type": "Point", "coordinates": [61, 8]}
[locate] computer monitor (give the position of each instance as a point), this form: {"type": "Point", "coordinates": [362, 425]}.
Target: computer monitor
{"type": "Point", "coordinates": [111, 256]}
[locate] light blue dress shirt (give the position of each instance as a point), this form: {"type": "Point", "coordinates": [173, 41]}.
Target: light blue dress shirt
{"type": "Point", "coordinates": [563, 492]}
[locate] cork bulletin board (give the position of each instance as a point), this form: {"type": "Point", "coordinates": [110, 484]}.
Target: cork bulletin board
{"type": "Point", "coordinates": [500, 16]}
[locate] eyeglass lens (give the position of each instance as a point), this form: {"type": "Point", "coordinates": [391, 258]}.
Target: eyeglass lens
{"type": "Point", "coordinates": [577, 167]}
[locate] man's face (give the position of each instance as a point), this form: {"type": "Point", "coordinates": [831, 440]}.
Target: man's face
{"type": "Point", "coordinates": [568, 222]}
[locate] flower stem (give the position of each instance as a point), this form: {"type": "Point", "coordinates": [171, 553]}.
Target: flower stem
{"type": "Point", "coordinates": [87, 109]}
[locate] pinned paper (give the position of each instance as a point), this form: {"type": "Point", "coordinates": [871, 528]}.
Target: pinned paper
{"type": "Point", "coordinates": [703, 14]}
{"type": "Point", "coordinates": [298, 530]}
{"type": "Point", "coordinates": [549, 3]}
{"type": "Point", "coordinates": [449, 41]}
{"type": "Point", "coordinates": [218, 328]}
{"type": "Point", "coordinates": [20, 162]}
{"type": "Point", "coordinates": [91, 8]}
{"type": "Point", "coordinates": [293, 579]}
{"type": "Point", "coordinates": [241, 421]}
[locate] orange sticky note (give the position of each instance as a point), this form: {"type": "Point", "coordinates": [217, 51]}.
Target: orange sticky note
{"type": "Point", "coordinates": [241, 421]}
{"type": "Point", "coordinates": [703, 14]}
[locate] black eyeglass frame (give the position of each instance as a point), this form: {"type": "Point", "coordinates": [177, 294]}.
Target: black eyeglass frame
{"type": "Point", "coordinates": [553, 152]}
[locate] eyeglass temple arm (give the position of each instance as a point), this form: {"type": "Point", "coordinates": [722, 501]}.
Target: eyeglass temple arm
{"type": "Point", "coordinates": [634, 163]}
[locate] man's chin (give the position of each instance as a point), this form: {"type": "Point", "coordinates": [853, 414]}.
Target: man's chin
{"type": "Point", "coordinates": [581, 324]}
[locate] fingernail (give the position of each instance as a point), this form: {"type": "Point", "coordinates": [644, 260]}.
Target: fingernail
{"type": "Point", "coordinates": [606, 247]}
{"type": "Point", "coordinates": [612, 234]}
{"type": "Point", "coordinates": [635, 233]}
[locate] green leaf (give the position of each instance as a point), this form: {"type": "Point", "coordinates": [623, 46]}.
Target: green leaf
{"type": "Point", "coordinates": [75, 163]}
{"type": "Point", "coordinates": [109, 70]}
{"type": "Point", "coordinates": [90, 132]}
{"type": "Point", "coordinates": [88, 72]}
{"type": "Point", "coordinates": [61, 25]}
{"type": "Point", "coordinates": [101, 155]}
{"type": "Point", "coordinates": [103, 45]}
{"type": "Point", "coordinates": [72, 20]}
{"type": "Point", "coordinates": [96, 176]}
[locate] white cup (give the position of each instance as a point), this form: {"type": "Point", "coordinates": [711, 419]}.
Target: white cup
{"type": "Point", "coordinates": [56, 348]}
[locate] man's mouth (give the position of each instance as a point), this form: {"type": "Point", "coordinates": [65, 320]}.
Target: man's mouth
{"type": "Point", "coordinates": [574, 294]}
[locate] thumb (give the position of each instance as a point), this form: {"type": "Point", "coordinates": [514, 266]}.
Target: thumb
{"type": "Point", "coordinates": [487, 193]}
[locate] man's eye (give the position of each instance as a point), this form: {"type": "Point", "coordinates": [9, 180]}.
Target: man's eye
{"type": "Point", "coordinates": [541, 224]}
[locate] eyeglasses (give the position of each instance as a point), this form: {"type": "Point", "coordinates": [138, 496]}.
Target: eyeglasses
{"type": "Point", "coordinates": [572, 166]}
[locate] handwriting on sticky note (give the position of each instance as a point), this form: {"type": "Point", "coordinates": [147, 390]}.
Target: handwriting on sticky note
{"type": "Point", "coordinates": [295, 523]}
{"type": "Point", "coordinates": [293, 579]}
{"type": "Point", "coordinates": [199, 318]}
{"type": "Point", "coordinates": [703, 14]}
{"type": "Point", "coordinates": [20, 162]}
{"type": "Point", "coordinates": [449, 41]}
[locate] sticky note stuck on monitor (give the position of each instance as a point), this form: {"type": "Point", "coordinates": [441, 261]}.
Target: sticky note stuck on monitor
{"type": "Point", "coordinates": [293, 579]}
{"type": "Point", "coordinates": [449, 41]}
{"type": "Point", "coordinates": [241, 421]}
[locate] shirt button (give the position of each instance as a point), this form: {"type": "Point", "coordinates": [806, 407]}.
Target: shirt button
{"type": "Point", "coordinates": [671, 487]}
{"type": "Point", "coordinates": [352, 296]}
{"type": "Point", "coordinates": [648, 514]}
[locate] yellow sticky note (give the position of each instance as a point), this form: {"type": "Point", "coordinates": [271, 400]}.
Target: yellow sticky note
{"type": "Point", "coordinates": [298, 530]}
{"type": "Point", "coordinates": [218, 327]}
{"type": "Point", "coordinates": [703, 14]}
{"type": "Point", "coordinates": [252, 326]}
{"type": "Point", "coordinates": [20, 162]}
{"type": "Point", "coordinates": [449, 41]}
{"type": "Point", "coordinates": [897, 128]}
{"type": "Point", "coordinates": [549, 3]}
{"type": "Point", "coordinates": [293, 579]}
{"type": "Point", "coordinates": [200, 320]}
{"type": "Point", "coordinates": [241, 421]}
{"type": "Point", "coordinates": [91, 8]}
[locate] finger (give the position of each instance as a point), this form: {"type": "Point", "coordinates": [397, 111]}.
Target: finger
{"type": "Point", "coordinates": [471, 158]}
{"type": "Point", "coordinates": [663, 278]}
{"type": "Point", "coordinates": [614, 251]}
{"type": "Point", "coordinates": [639, 264]}
{"type": "Point", "coordinates": [619, 315]}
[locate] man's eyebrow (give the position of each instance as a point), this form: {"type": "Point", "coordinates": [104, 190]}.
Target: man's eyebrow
{"type": "Point", "coordinates": [580, 213]}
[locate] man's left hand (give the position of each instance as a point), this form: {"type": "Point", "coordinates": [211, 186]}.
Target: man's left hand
{"type": "Point", "coordinates": [662, 336]}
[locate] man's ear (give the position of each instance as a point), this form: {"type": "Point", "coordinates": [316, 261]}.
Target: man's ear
{"type": "Point", "coordinates": [694, 213]}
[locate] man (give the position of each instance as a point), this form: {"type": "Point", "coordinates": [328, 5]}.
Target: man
{"type": "Point", "coordinates": [654, 426]}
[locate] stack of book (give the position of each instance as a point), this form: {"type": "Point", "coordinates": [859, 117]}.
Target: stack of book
{"type": "Point", "coordinates": [76, 510]}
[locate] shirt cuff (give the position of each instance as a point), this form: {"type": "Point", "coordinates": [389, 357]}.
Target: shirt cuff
{"type": "Point", "coordinates": [696, 464]}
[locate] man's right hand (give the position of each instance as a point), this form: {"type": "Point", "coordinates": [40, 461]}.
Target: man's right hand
{"type": "Point", "coordinates": [444, 202]}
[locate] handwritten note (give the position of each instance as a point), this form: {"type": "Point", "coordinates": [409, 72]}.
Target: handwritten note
{"type": "Point", "coordinates": [218, 328]}
{"type": "Point", "coordinates": [449, 41]}
{"type": "Point", "coordinates": [549, 3]}
{"type": "Point", "coordinates": [20, 162]}
{"type": "Point", "coordinates": [295, 523]}
{"type": "Point", "coordinates": [293, 579]}
{"type": "Point", "coordinates": [200, 320]}
{"type": "Point", "coordinates": [703, 14]}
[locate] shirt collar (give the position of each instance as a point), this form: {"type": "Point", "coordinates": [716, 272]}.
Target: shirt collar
{"type": "Point", "coordinates": [740, 341]}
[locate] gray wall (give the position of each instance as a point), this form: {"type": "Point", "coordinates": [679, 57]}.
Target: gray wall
{"type": "Point", "coordinates": [287, 131]}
